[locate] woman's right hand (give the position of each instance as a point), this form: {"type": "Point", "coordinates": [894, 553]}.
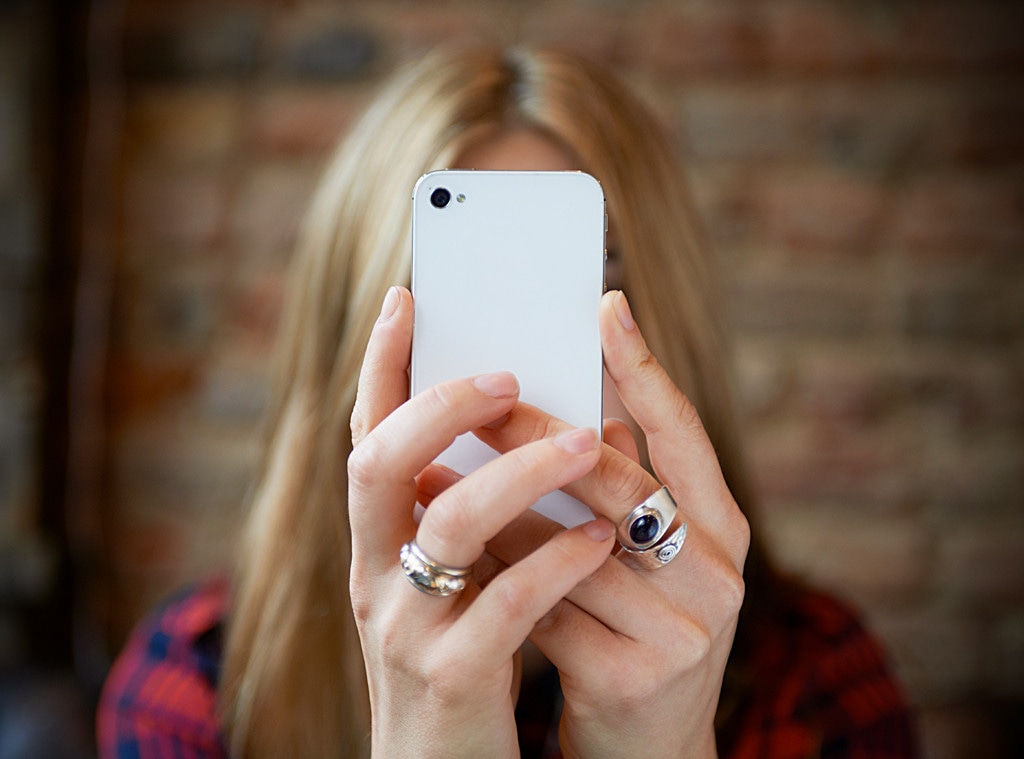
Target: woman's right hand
{"type": "Point", "coordinates": [440, 669]}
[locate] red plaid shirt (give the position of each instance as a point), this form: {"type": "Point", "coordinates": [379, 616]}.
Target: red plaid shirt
{"type": "Point", "coordinates": [821, 688]}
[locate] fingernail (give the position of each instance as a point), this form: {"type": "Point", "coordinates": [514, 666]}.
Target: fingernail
{"type": "Point", "coordinates": [624, 313]}
{"type": "Point", "coordinates": [390, 304]}
{"type": "Point", "coordinates": [497, 385]}
{"type": "Point", "coordinates": [599, 530]}
{"type": "Point", "coordinates": [578, 441]}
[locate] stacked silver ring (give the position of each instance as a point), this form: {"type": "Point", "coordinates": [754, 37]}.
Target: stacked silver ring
{"type": "Point", "coordinates": [651, 534]}
{"type": "Point", "coordinates": [429, 576]}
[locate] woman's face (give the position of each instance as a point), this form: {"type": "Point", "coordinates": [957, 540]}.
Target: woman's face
{"type": "Point", "coordinates": [530, 150]}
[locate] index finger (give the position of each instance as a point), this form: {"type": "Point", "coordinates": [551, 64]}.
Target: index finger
{"type": "Point", "coordinates": [613, 488]}
{"type": "Point", "coordinates": [681, 453]}
{"type": "Point", "coordinates": [384, 379]}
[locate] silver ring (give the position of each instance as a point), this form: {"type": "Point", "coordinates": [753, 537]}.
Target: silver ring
{"type": "Point", "coordinates": [428, 576]}
{"type": "Point", "coordinates": [661, 554]}
{"type": "Point", "coordinates": [647, 524]}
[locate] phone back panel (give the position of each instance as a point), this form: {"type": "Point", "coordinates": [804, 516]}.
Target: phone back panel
{"type": "Point", "coordinates": [508, 277]}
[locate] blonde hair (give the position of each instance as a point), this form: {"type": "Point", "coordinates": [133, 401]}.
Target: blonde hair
{"type": "Point", "coordinates": [293, 681]}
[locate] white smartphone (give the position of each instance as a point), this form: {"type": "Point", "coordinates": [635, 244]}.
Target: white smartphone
{"type": "Point", "coordinates": [507, 275]}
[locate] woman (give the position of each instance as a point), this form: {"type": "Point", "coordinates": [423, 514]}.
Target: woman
{"type": "Point", "coordinates": [328, 651]}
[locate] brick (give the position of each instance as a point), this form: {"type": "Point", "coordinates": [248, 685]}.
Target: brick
{"type": "Point", "coordinates": [15, 334]}
{"type": "Point", "coordinates": [235, 390]}
{"type": "Point", "coordinates": [598, 31]}
{"type": "Point", "coordinates": [136, 387]}
{"type": "Point", "coordinates": [28, 563]}
{"type": "Point", "coordinates": [194, 42]}
{"type": "Point", "coordinates": [963, 306]}
{"type": "Point", "coordinates": [860, 469]}
{"type": "Point", "coordinates": [702, 41]}
{"type": "Point", "coordinates": [330, 54]}
{"type": "Point", "coordinates": [268, 208]}
{"type": "Point", "coordinates": [847, 388]}
{"type": "Point", "coordinates": [980, 561]}
{"type": "Point", "coordinates": [142, 546]}
{"type": "Point", "coordinates": [170, 209]}
{"type": "Point", "coordinates": [969, 476]}
{"type": "Point", "coordinates": [180, 466]}
{"type": "Point", "coordinates": [962, 394]}
{"type": "Point", "coordinates": [839, 303]}
{"type": "Point", "coordinates": [415, 28]}
{"type": "Point", "coordinates": [20, 240]}
{"type": "Point", "coordinates": [960, 36]}
{"type": "Point", "coordinates": [817, 214]}
{"type": "Point", "coordinates": [725, 205]}
{"type": "Point", "coordinates": [821, 38]}
{"type": "Point", "coordinates": [253, 310]}
{"type": "Point", "coordinates": [166, 311]}
{"type": "Point", "coordinates": [325, 45]}
{"type": "Point", "coordinates": [183, 125]}
{"type": "Point", "coordinates": [1006, 656]}
{"type": "Point", "coordinates": [16, 97]}
{"type": "Point", "coordinates": [743, 122]}
{"type": "Point", "coordinates": [882, 127]}
{"type": "Point", "coordinates": [987, 130]}
{"type": "Point", "coordinates": [960, 217]}
{"type": "Point", "coordinates": [288, 122]}
{"type": "Point", "coordinates": [21, 403]}
{"type": "Point", "coordinates": [765, 381]}
{"type": "Point", "coordinates": [883, 561]}
{"type": "Point", "coordinates": [940, 650]}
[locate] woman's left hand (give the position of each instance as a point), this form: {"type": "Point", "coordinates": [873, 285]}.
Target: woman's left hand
{"type": "Point", "coordinates": [641, 652]}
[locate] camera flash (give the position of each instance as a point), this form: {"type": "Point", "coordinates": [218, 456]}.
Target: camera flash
{"type": "Point", "coordinates": [460, 198]}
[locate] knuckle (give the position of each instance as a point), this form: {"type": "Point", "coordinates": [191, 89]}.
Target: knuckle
{"type": "Point", "coordinates": [537, 426]}
{"type": "Point", "coordinates": [624, 482]}
{"type": "Point", "coordinates": [445, 396]}
{"type": "Point", "coordinates": [451, 519]}
{"type": "Point", "coordinates": [740, 536]}
{"type": "Point", "coordinates": [357, 426]}
{"type": "Point", "coordinates": [510, 596]}
{"type": "Point", "coordinates": [644, 362]}
{"type": "Point", "coordinates": [360, 599]}
{"type": "Point", "coordinates": [685, 413]}
{"type": "Point", "coordinates": [551, 619]}
{"type": "Point", "coordinates": [365, 463]}
{"type": "Point", "coordinates": [733, 593]}
{"type": "Point", "coordinates": [690, 645]}
{"type": "Point", "coordinates": [637, 687]}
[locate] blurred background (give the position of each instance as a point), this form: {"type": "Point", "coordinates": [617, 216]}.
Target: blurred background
{"type": "Point", "coordinates": [859, 166]}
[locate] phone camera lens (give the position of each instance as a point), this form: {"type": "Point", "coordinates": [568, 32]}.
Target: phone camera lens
{"type": "Point", "coordinates": [440, 197]}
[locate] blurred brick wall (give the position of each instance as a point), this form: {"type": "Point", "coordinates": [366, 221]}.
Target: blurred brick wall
{"type": "Point", "coordinates": [860, 167]}
{"type": "Point", "coordinates": [27, 558]}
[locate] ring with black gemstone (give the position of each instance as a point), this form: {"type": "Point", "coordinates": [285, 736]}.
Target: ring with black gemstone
{"type": "Point", "coordinates": [647, 524]}
{"type": "Point", "coordinates": [659, 555]}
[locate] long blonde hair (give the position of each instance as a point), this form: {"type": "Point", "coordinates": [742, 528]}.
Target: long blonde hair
{"type": "Point", "coordinates": [293, 681]}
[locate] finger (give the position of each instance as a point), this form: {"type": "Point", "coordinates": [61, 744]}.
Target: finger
{"type": "Point", "coordinates": [472, 511]}
{"type": "Point", "coordinates": [681, 453]}
{"type": "Point", "coordinates": [433, 481]}
{"type": "Point", "coordinates": [383, 379]}
{"type": "Point", "coordinates": [582, 647]}
{"type": "Point", "coordinates": [617, 434]}
{"type": "Point", "coordinates": [383, 467]}
{"type": "Point", "coordinates": [611, 595]}
{"type": "Point", "coordinates": [518, 597]}
{"type": "Point", "coordinates": [613, 488]}
{"type": "Point", "coordinates": [702, 580]}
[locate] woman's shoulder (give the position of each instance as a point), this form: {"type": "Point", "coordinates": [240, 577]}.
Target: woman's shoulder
{"type": "Point", "coordinates": [161, 692]}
